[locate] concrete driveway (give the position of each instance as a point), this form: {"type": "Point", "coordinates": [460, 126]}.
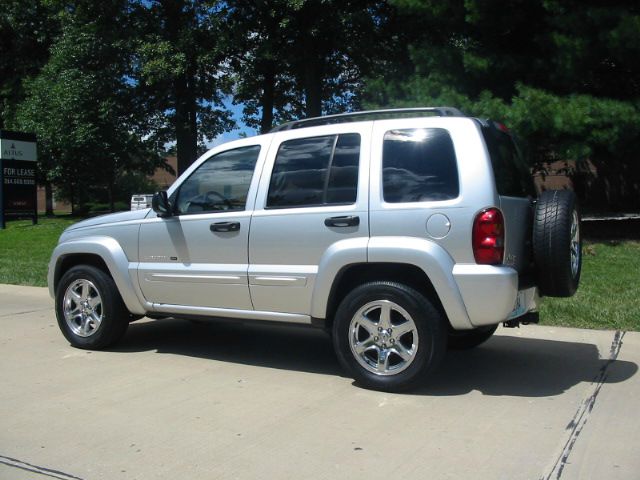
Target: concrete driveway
{"type": "Point", "coordinates": [223, 401]}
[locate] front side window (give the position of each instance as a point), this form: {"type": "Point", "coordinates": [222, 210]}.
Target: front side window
{"type": "Point", "coordinates": [220, 184]}
{"type": "Point", "coordinates": [315, 171]}
{"type": "Point", "coordinates": [419, 165]}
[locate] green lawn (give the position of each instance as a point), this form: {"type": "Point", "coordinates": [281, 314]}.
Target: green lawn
{"type": "Point", "coordinates": [26, 248]}
{"type": "Point", "coordinates": [608, 298]}
{"type": "Point", "coordinates": [609, 293]}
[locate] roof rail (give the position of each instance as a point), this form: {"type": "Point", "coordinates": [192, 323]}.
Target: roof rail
{"type": "Point", "coordinates": [355, 116]}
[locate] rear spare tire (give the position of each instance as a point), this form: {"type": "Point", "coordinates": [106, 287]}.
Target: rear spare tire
{"type": "Point", "coordinates": [557, 246]}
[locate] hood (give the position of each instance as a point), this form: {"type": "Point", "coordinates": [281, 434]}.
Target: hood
{"type": "Point", "coordinates": [111, 218]}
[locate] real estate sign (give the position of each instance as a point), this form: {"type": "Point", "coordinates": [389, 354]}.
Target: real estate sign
{"type": "Point", "coordinates": [18, 168]}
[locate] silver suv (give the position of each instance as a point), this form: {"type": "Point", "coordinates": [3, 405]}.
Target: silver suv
{"type": "Point", "coordinates": [401, 232]}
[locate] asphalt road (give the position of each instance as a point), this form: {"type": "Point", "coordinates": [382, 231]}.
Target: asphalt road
{"type": "Point", "coordinates": [224, 401]}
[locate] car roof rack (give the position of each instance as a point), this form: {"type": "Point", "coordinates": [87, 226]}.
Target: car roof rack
{"type": "Point", "coordinates": [355, 116]}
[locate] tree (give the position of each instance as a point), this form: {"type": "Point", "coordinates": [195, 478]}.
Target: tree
{"type": "Point", "coordinates": [262, 80]}
{"type": "Point", "coordinates": [562, 74]}
{"type": "Point", "coordinates": [303, 57]}
{"type": "Point", "coordinates": [27, 30]}
{"type": "Point", "coordinates": [180, 72]}
{"type": "Point", "coordinates": [83, 108]}
{"type": "Point", "coordinates": [334, 45]}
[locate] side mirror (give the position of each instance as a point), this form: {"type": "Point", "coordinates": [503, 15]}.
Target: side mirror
{"type": "Point", "coordinates": [160, 204]}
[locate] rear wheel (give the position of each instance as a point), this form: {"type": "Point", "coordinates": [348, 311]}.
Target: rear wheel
{"type": "Point", "coordinates": [557, 245]}
{"type": "Point", "coordinates": [89, 309]}
{"type": "Point", "coordinates": [388, 336]}
{"type": "Point", "coordinates": [465, 339]}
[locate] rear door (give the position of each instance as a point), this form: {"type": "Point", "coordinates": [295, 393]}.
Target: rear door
{"type": "Point", "coordinates": [516, 190]}
{"type": "Point", "coordinates": [313, 195]}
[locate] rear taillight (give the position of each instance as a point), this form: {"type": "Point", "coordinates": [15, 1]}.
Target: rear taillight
{"type": "Point", "coordinates": [502, 127]}
{"type": "Point", "coordinates": [488, 237]}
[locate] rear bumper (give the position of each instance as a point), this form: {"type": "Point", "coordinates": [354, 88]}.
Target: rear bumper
{"type": "Point", "coordinates": [490, 293]}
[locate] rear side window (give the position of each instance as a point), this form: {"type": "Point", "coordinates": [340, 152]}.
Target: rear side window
{"type": "Point", "coordinates": [509, 168]}
{"type": "Point", "coordinates": [315, 171]}
{"type": "Point", "coordinates": [419, 165]}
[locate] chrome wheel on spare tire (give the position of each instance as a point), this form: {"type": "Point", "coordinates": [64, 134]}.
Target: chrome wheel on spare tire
{"type": "Point", "coordinates": [388, 336]}
{"type": "Point", "coordinates": [89, 309]}
{"type": "Point", "coordinates": [557, 246]}
{"type": "Point", "coordinates": [576, 250]}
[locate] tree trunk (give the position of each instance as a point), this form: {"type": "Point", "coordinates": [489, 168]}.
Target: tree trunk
{"type": "Point", "coordinates": [183, 96]}
{"type": "Point", "coordinates": [313, 87]}
{"type": "Point", "coordinates": [48, 199]}
{"type": "Point", "coordinates": [185, 124]}
{"type": "Point", "coordinates": [112, 204]}
{"type": "Point", "coordinates": [72, 201]}
{"type": "Point", "coordinates": [267, 99]}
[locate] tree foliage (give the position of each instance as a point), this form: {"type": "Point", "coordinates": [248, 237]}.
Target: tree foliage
{"type": "Point", "coordinates": [109, 86]}
{"type": "Point", "coordinates": [181, 72]}
{"type": "Point", "coordinates": [304, 57]}
{"type": "Point", "coordinates": [79, 106]}
{"type": "Point", "coordinates": [563, 75]}
{"type": "Point", "coordinates": [27, 30]}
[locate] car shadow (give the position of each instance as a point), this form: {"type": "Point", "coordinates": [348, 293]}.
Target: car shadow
{"type": "Point", "coordinates": [524, 367]}
{"type": "Point", "coordinates": [264, 345]}
{"type": "Point", "coordinates": [504, 365]}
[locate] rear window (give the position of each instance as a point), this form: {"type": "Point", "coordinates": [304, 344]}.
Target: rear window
{"type": "Point", "coordinates": [510, 170]}
{"type": "Point", "coordinates": [315, 171]}
{"type": "Point", "coordinates": [419, 165]}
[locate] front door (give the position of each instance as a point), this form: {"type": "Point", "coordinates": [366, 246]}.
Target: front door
{"type": "Point", "coordinates": [199, 256]}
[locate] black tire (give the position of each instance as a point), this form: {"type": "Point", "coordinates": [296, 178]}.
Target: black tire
{"type": "Point", "coordinates": [427, 324]}
{"type": "Point", "coordinates": [466, 339]}
{"type": "Point", "coordinates": [557, 252]}
{"type": "Point", "coordinates": [113, 314]}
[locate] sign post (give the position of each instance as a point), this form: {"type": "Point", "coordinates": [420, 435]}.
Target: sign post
{"type": "Point", "coordinates": [18, 168]}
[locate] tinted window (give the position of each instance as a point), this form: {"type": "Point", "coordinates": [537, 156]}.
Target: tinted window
{"type": "Point", "coordinates": [219, 184]}
{"type": "Point", "coordinates": [342, 184]}
{"type": "Point", "coordinates": [315, 171]}
{"type": "Point", "coordinates": [419, 165]}
{"type": "Point", "coordinates": [509, 168]}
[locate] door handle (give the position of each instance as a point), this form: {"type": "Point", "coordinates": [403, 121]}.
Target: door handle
{"type": "Point", "coordinates": [346, 221]}
{"type": "Point", "coordinates": [225, 227]}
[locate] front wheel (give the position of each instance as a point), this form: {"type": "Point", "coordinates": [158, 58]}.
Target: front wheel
{"type": "Point", "coordinates": [388, 336]}
{"type": "Point", "coordinates": [89, 309]}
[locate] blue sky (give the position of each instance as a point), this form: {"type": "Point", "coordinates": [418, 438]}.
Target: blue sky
{"type": "Point", "coordinates": [243, 130]}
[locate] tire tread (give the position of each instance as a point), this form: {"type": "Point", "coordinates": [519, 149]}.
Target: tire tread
{"type": "Point", "coordinates": [551, 242]}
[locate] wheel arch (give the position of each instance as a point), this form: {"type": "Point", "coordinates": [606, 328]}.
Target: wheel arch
{"type": "Point", "coordinates": [104, 253]}
{"type": "Point", "coordinates": [354, 275]}
{"type": "Point", "coordinates": [418, 263]}
{"type": "Point", "coordinates": [67, 262]}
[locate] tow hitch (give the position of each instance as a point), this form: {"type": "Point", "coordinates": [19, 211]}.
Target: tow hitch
{"type": "Point", "coordinates": [526, 319]}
